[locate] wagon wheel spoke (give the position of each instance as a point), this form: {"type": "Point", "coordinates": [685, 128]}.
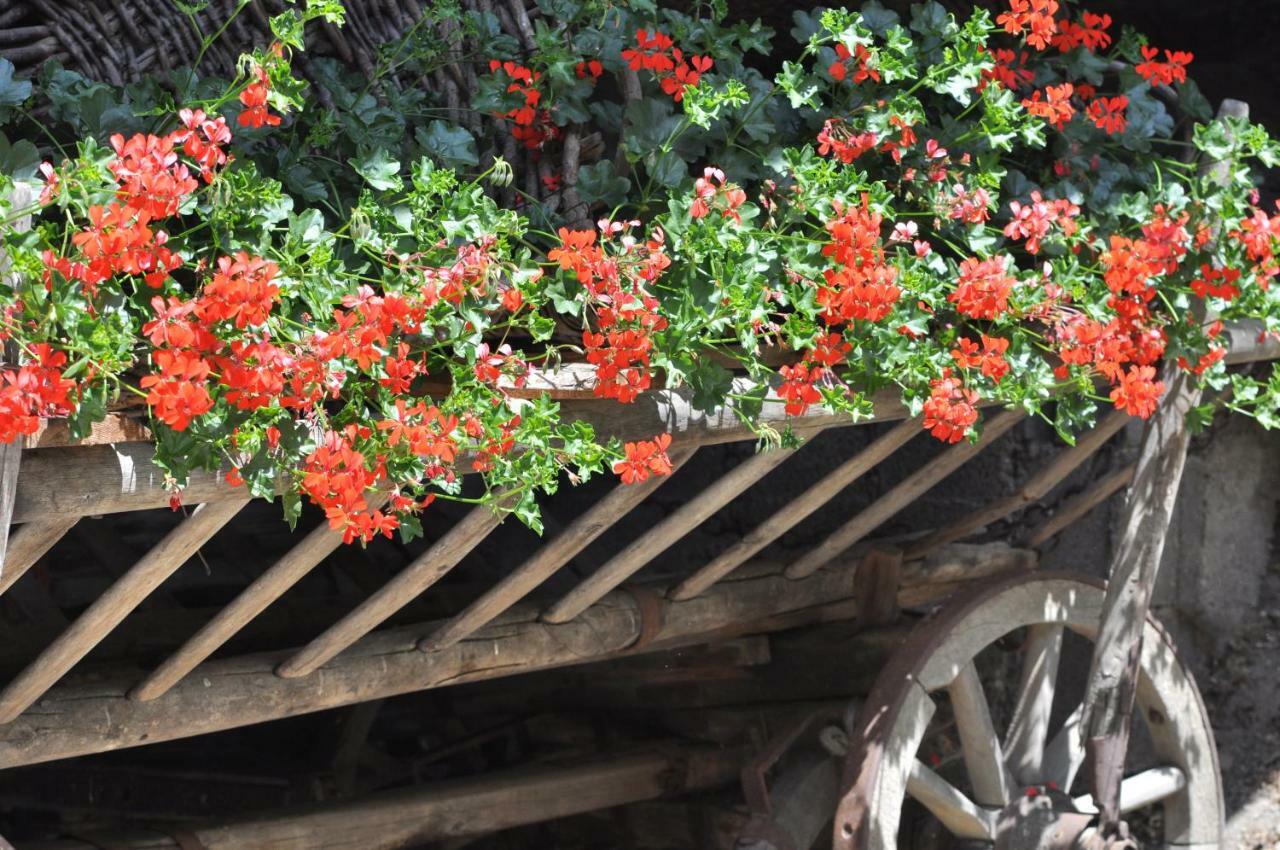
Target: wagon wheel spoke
{"type": "Point", "coordinates": [1141, 790]}
{"type": "Point", "coordinates": [983, 755]}
{"type": "Point", "coordinates": [1029, 728]}
{"type": "Point", "coordinates": [1064, 754]}
{"type": "Point", "coordinates": [960, 815]}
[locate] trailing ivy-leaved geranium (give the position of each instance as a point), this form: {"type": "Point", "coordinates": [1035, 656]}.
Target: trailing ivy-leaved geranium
{"type": "Point", "coordinates": [348, 291]}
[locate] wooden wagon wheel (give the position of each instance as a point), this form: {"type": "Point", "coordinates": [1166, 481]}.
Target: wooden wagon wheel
{"type": "Point", "coordinates": [1012, 780]}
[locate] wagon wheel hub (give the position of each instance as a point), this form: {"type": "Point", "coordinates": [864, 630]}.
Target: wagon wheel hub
{"type": "Point", "coordinates": [1041, 819]}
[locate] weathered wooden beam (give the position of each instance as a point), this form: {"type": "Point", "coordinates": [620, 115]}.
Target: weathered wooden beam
{"type": "Point", "coordinates": [552, 556]}
{"type": "Point", "coordinates": [426, 570]}
{"type": "Point", "coordinates": [439, 811]}
{"type": "Point", "coordinates": [93, 713]}
{"type": "Point", "coordinates": [797, 510]}
{"type": "Point", "coordinates": [907, 491]}
{"type": "Point", "coordinates": [1077, 507]}
{"type": "Point", "coordinates": [1034, 490]}
{"type": "Point", "coordinates": [28, 545]}
{"type": "Point", "coordinates": [1113, 673]}
{"type": "Point", "coordinates": [252, 601]}
{"type": "Point", "coordinates": [662, 536]}
{"type": "Point", "coordinates": [114, 605]}
{"type": "Point", "coordinates": [92, 480]}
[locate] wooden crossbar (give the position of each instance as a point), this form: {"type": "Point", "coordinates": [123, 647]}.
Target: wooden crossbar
{"type": "Point", "coordinates": [1034, 490]}
{"type": "Point", "coordinates": [656, 540]}
{"type": "Point", "coordinates": [29, 544]}
{"type": "Point", "coordinates": [551, 557]}
{"type": "Point", "coordinates": [110, 608]}
{"type": "Point", "coordinates": [906, 492]}
{"type": "Point", "coordinates": [796, 510]}
{"type": "Point", "coordinates": [1076, 508]}
{"type": "Point", "coordinates": [426, 570]}
{"type": "Point", "coordinates": [252, 601]}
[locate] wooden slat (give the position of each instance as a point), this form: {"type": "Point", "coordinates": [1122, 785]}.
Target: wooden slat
{"type": "Point", "coordinates": [797, 510]}
{"type": "Point", "coordinates": [90, 714]}
{"type": "Point", "coordinates": [1034, 490]}
{"type": "Point", "coordinates": [551, 557]}
{"type": "Point", "coordinates": [1079, 506]}
{"type": "Point", "coordinates": [29, 544]}
{"type": "Point", "coordinates": [433, 813]}
{"type": "Point", "coordinates": [906, 492]}
{"type": "Point", "coordinates": [426, 570]}
{"type": "Point", "coordinates": [656, 540]}
{"type": "Point", "coordinates": [251, 602]}
{"type": "Point", "coordinates": [113, 606]}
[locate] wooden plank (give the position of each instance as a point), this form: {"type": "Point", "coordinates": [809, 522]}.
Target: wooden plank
{"type": "Point", "coordinates": [426, 814]}
{"type": "Point", "coordinates": [552, 556]}
{"type": "Point", "coordinates": [906, 492]}
{"type": "Point", "coordinates": [1076, 508]}
{"type": "Point", "coordinates": [252, 601]}
{"type": "Point", "coordinates": [797, 510]}
{"type": "Point", "coordinates": [29, 544]}
{"type": "Point", "coordinates": [114, 605]}
{"type": "Point", "coordinates": [92, 480]}
{"type": "Point", "coordinates": [93, 713]}
{"type": "Point", "coordinates": [424, 571]}
{"type": "Point", "coordinates": [1033, 490]}
{"type": "Point", "coordinates": [658, 539]}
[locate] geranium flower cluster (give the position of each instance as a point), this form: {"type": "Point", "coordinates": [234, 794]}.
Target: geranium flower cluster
{"type": "Point", "coordinates": [532, 125]}
{"type": "Point", "coordinates": [616, 273]}
{"type": "Point", "coordinates": [710, 191]}
{"type": "Point", "coordinates": [861, 287]}
{"type": "Point", "coordinates": [643, 459]}
{"type": "Point", "coordinates": [33, 391]}
{"type": "Point", "coordinates": [656, 52]}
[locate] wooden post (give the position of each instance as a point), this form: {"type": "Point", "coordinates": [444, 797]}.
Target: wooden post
{"type": "Point", "coordinates": [1113, 676]}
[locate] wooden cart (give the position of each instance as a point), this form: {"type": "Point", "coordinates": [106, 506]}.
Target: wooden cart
{"type": "Point", "coordinates": [48, 711]}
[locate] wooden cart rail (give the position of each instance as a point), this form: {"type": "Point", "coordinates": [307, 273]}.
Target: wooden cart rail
{"type": "Point", "coordinates": [600, 618]}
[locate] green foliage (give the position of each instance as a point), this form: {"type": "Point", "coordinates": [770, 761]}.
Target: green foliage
{"type": "Point", "coordinates": [728, 199]}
